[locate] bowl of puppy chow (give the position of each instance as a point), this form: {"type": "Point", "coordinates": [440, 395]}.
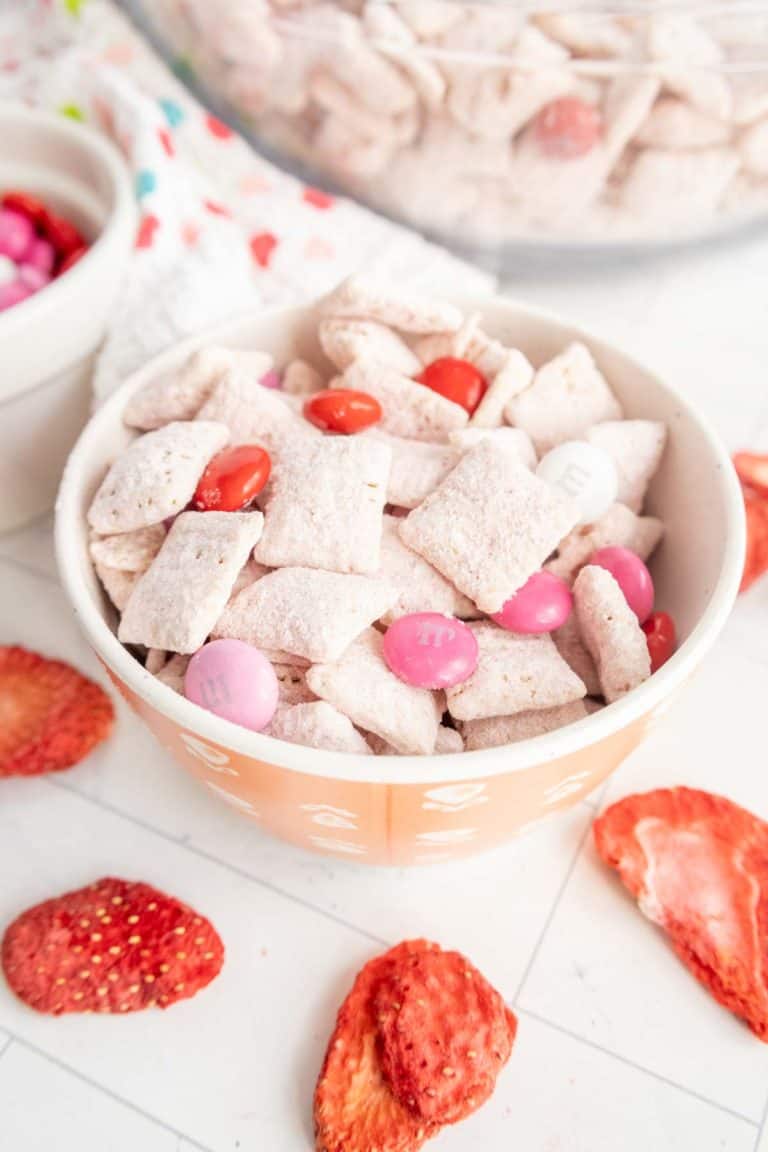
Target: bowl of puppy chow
{"type": "Point", "coordinates": [394, 575]}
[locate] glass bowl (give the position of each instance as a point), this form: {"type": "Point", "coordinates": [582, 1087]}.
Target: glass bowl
{"type": "Point", "coordinates": [492, 126]}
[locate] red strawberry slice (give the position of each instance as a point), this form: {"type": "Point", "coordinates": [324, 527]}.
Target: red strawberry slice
{"type": "Point", "coordinates": [698, 866]}
{"type": "Point", "coordinates": [418, 1043]}
{"type": "Point", "coordinates": [752, 470]}
{"type": "Point", "coordinates": [114, 946]}
{"type": "Point", "coordinates": [445, 1035]}
{"type": "Point", "coordinates": [756, 559]}
{"type": "Point", "coordinates": [354, 1108]}
{"type": "Point", "coordinates": [50, 715]}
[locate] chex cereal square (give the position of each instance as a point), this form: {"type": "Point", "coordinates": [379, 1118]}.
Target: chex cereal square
{"type": "Point", "coordinates": [490, 525]}
{"type": "Point", "coordinates": [324, 505]}
{"type": "Point", "coordinates": [178, 600]}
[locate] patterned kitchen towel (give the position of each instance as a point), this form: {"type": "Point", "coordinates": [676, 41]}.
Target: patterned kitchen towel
{"type": "Point", "coordinates": [221, 229]}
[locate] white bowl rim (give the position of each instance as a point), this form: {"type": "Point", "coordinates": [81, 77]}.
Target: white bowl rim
{"type": "Point", "coordinates": [35, 308]}
{"type": "Point", "coordinates": [436, 770]}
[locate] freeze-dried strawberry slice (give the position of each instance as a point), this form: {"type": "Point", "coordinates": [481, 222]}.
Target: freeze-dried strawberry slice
{"type": "Point", "coordinates": [114, 946]}
{"type": "Point", "coordinates": [752, 470]}
{"type": "Point", "coordinates": [756, 559]}
{"type": "Point", "coordinates": [354, 1108]}
{"type": "Point", "coordinates": [50, 715]}
{"type": "Point", "coordinates": [698, 866]}
{"type": "Point", "coordinates": [445, 1035]}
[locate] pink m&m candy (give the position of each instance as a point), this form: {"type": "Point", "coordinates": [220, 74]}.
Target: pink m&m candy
{"type": "Point", "coordinates": [429, 650]}
{"type": "Point", "coordinates": [41, 255]}
{"type": "Point", "coordinates": [17, 234]}
{"type": "Point", "coordinates": [235, 681]}
{"type": "Point", "coordinates": [542, 604]}
{"type": "Point", "coordinates": [34, 278]}
{"type": "Point", "coordinates": [631, 575]}
{"type": "Point", "coordinates": [13, 293]}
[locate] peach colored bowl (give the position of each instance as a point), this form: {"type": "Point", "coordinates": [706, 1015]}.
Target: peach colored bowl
{"type": "Point", "coordinates": [410, 809]}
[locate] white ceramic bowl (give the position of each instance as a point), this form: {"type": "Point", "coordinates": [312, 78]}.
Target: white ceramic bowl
{"type": "Point", "coordinates": [49, 340]}
{"type": "Point", "coordinates": [406, 809]}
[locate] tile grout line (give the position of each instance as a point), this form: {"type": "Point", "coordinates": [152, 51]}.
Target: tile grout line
{"type": "Point", "coordinates": [639, 1067]}
{"type": "Point", "coordinates": [553, 909]}
{"type": "Point", "coordinates": [55, 1060]}
{"type": "Point", "coordinates": [202, 854]}
{"type": "Point", "coordinates": [763, 1128]}
{"type": "Point", "coordinates": [5, 1045]}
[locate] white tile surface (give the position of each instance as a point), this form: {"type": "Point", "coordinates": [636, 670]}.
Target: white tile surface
{"type": "Point", "coordinates": [45, 1107]}
{"type": "Point", "coordinates": [238, 1062]}
{"type": "Point", "coordinates": [559, 1095]}
{"type": "Point", "coordinates": [618, 1047]}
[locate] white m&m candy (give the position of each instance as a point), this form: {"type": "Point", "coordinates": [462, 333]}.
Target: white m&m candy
{"type": "Point", "coordinates": [586, 473]}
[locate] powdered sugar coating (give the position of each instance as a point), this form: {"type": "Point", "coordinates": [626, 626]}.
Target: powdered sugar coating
{"type": "Point", "coordinates": [155, 477]}
{"type": "Point", "coordinates": [324, 505]}
{"type": "Point", "coordinates": [618, 528]}
{"type": "Point", "coordinates": [255, 415]}
{"type": "Point", "coordinates": [568, 395]}
{"type": "Point", "coordinates": [512, 378]}
{"type": "Point", "coordinates": [636, 448]}
{"type": "Point", "coordinates": [180, 394]}
{"type": "Point", "coordinates": [173, 672]}
{"type": "Point", "coordinates": [409, 409]}
{"type": "Point", "coordinates": [301, 378]}
{"type": "Point", "coordinates": [129, 551]}
{"type": "Point", "coordinates": [362, 687]}
{"type": "Point", "coordinates": [611, 633]}
{"type": "Point", "coordinates": [417, 468]}
{"type": "Point", "coordinates": [364, 298]}
{"type": "Point", "coordinates": [292, 685]}
{"type": "Point", "coordinates": [317, 724]}
{"type": "Point", "coordinates": [514, 674]}
{"type": "Point", "coordinates": [515, 438]}
{"type": "Point", "coordinates": [571, 647]}
{"type": "Point", "coordinates": [420, 587]}
{"type": "Point", "coordinates": [490, 525]}
{"type": "Point", "coordinates": [345, 341]}
{"type": "Point", "coordinates": [117, 583]}
{"type": "Point", "coordinates": [177, 602]}
{"type": "Point", "coordinates": [306, 611]}
{"type": "Point", "coordinates": [498, 730]}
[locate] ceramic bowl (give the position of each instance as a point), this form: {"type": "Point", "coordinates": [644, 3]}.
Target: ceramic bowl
{"type": "Point", "coordinates": [48, 341]}
{"type": "Point", "coordinates": [411, 809]}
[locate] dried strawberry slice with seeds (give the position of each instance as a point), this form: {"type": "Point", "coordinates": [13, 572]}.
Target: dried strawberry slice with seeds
{"type": "Point", "coordinates": [386, 1083]}
{"type": "Point", "coordinates": [50, 715]}
{"type": "Point", "coordinates": [445, 1035]}
{"type": "Point", "coordinates": [115, 946]}
{"type": "Point", "coordinates": [355, 1110]}
{"type": "Point", "coordinates": [698, 866]}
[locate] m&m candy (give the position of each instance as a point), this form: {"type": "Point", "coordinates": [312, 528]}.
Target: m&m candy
{"type": "Point", "coordinates": [542, 604]}
{"type": "Point", "coordinates": [234, 681]}
{"type": "Point", "coordinates": [429, 650]}
{"type": "Point", "coordinates": [631, 575]}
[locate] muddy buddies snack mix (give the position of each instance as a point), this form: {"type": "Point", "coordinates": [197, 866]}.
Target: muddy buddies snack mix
{"type": "Point", "coordinates": [359, 565]}
{"type": "Point", "coordinates": [488, 123]}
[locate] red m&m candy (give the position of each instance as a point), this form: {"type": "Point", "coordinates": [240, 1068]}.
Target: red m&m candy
{"type": "Point", "coordinates": [659, 631]}
{"type": "Point", "coordinates": [568, 128]}
{"type": "Point", "coordinates": [456, 380]}
{"type": "Point", "coordinates": [233, 478]}
{"type": "Point", "coordinates": [342, 410]}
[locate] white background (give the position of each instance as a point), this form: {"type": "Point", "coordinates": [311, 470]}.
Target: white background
{"type": "Point", "coordinates": [618, 1047]}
